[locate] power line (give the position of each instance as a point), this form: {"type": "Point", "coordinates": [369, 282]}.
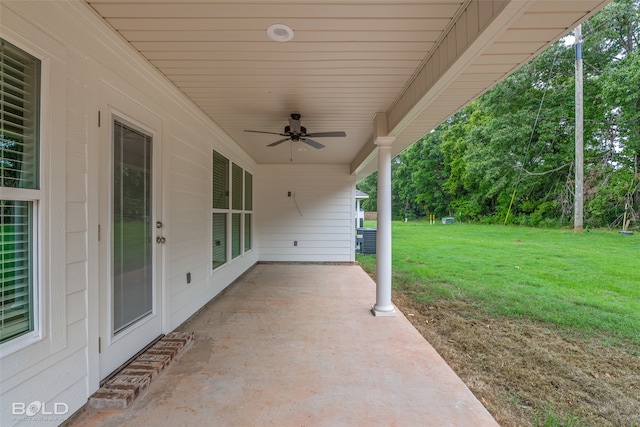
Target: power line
{"type": "Point", "coordinates": [545, 172]}
{"type": "Point", "coordinates": [535, 124]}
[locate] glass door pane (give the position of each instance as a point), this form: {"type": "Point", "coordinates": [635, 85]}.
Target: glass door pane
{"type": "Point", "coordinates": [132, 227]}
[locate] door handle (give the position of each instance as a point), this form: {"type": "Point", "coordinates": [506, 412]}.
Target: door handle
{"type": "Point", "coordinates": [160, 240]}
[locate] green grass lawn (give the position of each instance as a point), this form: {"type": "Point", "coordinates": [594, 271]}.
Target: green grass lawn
{"type": "Point", "coordinates": [586, 283]}
{"type": "Point", "coordinates": [132, 242]}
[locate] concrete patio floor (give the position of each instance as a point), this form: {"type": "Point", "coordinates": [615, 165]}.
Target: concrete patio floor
{"type": "Point", "coordinates": [296, 345]}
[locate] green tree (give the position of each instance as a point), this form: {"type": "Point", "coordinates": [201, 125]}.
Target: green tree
{"type": "Point", "coordinates": [512, 150]}
{"type": "Point", "coordinates": [369, 185]}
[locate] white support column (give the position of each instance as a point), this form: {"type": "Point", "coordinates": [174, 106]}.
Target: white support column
{"type": "Point", "coordinates": [383, 305]}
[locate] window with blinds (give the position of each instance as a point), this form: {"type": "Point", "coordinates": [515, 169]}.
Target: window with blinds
{"type": "Point", "coordinates": [19, 170]}
{"type": "Point", "coordinates": [220, 208]}
{"type": "Point", "coordinates": [248, 207]}
{"type": "Point", "coordinates": [16, 260]}
{"type": "Point", "coordinates": [219, 239]}
{"type": "Point", "coordinates": [236, 187]}
{"type": "Point", "coordinates": [231, 217]}
{"type": "Point", "coordinates": [247, 232]}
{"type": "Point", "coordinates": [235, 235]}
{"type": "Point", "coordinates": [236, 205]}
{"type": "Point", "coordinates": [248, 191]}
{"type": "Point", "coordinates": [220, 181]}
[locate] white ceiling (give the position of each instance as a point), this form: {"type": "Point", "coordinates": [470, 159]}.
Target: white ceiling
{"type": "Point", "coordinates": [418, 61]}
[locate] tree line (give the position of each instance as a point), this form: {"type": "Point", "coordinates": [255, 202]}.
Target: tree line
{"type": "Point", "coordinates": [508, 156]}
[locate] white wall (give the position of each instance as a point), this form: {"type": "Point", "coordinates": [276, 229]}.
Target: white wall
{"type": "Point", "coordinates": [80, 55]}
{"type": "Point", "coordinates": [79, 51]}
{"type": "Point", "coordinates": [53, 368]}
{"type": "Point", "coordinates": [318, 215]}
{"type": "Point", "coordinates": [188, 217]}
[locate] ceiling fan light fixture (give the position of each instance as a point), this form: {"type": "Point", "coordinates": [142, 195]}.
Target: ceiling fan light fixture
{"type": "Point", "coordinates": [279, 33]}
{"type": "Point", "coordinates": [297, 133]}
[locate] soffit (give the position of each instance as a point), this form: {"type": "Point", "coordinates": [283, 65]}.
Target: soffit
{"type": "Point", "coordinates": [347, 61]}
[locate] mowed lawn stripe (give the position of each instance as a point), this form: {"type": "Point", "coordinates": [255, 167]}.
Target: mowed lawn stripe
{"type": "Point", "coordinates": [587, 283]}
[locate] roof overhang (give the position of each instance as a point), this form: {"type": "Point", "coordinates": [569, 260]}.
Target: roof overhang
{"type": "Point", "coordinates": [415, 63]}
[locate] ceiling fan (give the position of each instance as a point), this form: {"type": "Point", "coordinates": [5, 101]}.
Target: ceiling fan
{"type": "Point", "coordinates": [296, 132]}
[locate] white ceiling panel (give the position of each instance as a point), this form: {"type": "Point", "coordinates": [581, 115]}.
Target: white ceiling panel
{"type": "Point", "coordinates": [346, 62]}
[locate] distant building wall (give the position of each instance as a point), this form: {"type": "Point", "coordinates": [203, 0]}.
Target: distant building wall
{"type": "Point", "coordinates": [371, 216]}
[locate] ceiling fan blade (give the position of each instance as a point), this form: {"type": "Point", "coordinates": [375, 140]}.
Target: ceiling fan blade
{"type": "Point", "coordinates": [260, 131]}
{"type": "Point", "coordinates": [280, 141]}
{"type": "Point", "coordinates": [311, 142]}
{"type": "Point", "coordinates": [326, 134]}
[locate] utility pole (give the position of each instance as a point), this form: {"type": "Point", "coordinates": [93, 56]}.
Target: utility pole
{"type": "Point", "coordinates": [579, 162]}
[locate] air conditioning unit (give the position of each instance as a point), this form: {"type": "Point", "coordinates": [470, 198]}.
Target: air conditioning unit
{"type": "Point", "coordinates": [367, 239]}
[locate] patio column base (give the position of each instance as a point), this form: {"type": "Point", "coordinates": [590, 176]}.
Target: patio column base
{"type": "Point", "coordinates": [385, 312]}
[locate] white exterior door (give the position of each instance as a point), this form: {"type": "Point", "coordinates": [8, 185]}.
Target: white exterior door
{"type": "Point", "coordinates": [131, 230]}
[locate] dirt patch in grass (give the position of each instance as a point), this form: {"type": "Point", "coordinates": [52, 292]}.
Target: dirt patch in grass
{"type": "Point", "coordinates": [529, 374]}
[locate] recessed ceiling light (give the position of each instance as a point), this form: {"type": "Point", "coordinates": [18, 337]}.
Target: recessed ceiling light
{"type": "Point", "coordinates": [279, 33]}
{"type": "Point", "coordinates": [302, 149]}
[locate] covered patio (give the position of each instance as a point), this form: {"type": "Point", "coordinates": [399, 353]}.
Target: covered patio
{"type": "Point", "coordinates": [212, 100]}
{"type": "Point", "coordinates": [296, 344]}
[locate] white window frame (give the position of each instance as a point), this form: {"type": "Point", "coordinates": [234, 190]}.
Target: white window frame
{"type": "Point", "coordinates": [239, 212]}
{"type": "Point", "coordinates": [246, 212]}
{"type": "Point", "coordinates": [227, 211]}
{"type": "Point", "coordinates": [230, 211]}
{"type": "Point", "coordinates": [37, 198]}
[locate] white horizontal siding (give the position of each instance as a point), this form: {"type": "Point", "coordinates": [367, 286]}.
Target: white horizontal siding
{"type": "Point", "coordinates": [79, 50]}
{"type": "Point", "coordinates": [188, 191]}
{"type": "Point", "coordinates": [76, 277]}
{"type": "Point", "coordinates": [55, 368]}
{"type": "Point", "coordinates": [60, 385]}
{"type": "Point", "coordinates": [76, 307]}
{"type": "Point", "coordinates": [315, 223]}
